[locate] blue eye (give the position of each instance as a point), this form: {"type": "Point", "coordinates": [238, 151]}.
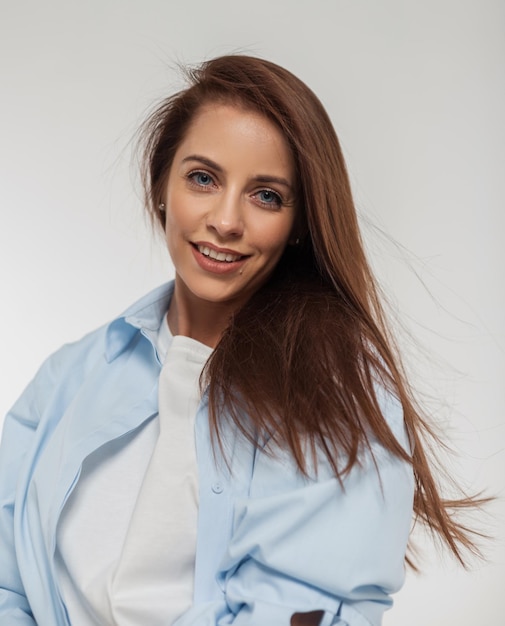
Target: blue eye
{"type": "Point", "coordinates": [201, 178]}
{"type": "Point", "coordinates": [269, 197]}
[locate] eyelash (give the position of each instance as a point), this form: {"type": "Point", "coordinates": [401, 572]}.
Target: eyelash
{"type": "Point", "coordinates": [277, 198]}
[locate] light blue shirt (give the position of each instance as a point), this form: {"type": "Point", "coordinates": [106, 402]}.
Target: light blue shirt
{"type": "Point", "coordinates": [271, 542]}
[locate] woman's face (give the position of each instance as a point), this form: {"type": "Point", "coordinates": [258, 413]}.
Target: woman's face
{"type": "Point", "coordinates": [230, 205]}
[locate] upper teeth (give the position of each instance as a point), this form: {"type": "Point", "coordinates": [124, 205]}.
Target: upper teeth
{"type": "Point", "coordinates": [219, 256]}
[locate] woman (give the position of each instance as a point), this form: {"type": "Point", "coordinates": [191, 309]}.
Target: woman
{"type": "Point", "coordinates": [281, 490]}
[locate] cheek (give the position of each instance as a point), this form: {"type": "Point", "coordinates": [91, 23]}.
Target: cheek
{"type": "Point", "coordinates": [176, 216]}
{"type": "Point", "coordinates": [274, 239]}
{"type": "Point", "coordinates": [174, 231]}
{"type": "Point", "coordinates": [174, 202]}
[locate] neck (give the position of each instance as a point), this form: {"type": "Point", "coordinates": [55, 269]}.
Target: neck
{"type": "Point", "coordinates": [198, 319]}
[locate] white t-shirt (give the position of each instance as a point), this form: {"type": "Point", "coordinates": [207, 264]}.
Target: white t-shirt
{"type": "Point", "coordinates": [96, 518]}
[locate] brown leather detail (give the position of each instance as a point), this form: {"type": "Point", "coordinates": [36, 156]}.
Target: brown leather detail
{"type": "Point", "coordinates": [307, 619]}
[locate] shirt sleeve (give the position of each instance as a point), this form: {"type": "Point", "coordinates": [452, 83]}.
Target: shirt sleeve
{"type": "Point", "coordinates": [17, 434]}
{"type": "Point", "coordinates": [301, 545]}
{"type": "Point", "coordinates": [18, 451]}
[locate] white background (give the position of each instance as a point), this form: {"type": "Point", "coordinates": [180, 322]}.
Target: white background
{"type": "Point", "coordinates": [417, 94]}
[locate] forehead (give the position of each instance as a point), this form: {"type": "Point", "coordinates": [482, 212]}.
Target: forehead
{"type": "Point", "coordinates": [235, 133]}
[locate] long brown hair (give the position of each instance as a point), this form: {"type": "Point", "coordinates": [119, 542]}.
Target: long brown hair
{"type": "Point", "coordinates": [304, 357]}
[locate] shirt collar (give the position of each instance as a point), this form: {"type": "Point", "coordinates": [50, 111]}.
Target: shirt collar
{"type": "Point", "coordinates": [145, 315]}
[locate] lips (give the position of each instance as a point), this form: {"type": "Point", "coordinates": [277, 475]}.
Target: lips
{"type": "Point", "coordinates": [217, 260]}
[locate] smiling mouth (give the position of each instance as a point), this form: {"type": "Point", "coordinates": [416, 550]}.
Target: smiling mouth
{"type": "Point", "coordinates": [224, 257]}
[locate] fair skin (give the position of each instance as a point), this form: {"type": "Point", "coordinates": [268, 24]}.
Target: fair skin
{"type": "Point", "coordinates": [230, 212]}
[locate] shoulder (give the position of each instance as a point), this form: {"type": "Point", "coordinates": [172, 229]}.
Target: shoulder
{"type": "Point", "coordinates": [57, 370]}
{"type": "Point", "coordinates": [61, 374]}
{"type": "Point", "coordinates": [113, 337]}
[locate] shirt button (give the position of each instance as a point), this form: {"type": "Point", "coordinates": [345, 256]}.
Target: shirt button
{"type": "Point", "coordinates": [217, 488]}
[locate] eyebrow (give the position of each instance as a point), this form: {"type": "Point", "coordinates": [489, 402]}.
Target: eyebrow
{"type": "Point", "coordinates": [262, 178]}
{"type": "Point", "coordinates": [204, 160]}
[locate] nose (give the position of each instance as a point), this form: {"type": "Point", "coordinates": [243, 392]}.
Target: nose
{"type": "Point", "coordinates": [225, 217]}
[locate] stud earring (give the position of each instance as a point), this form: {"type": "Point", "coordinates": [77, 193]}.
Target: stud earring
{"type": "Point", "coordinates": [161, 206]}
